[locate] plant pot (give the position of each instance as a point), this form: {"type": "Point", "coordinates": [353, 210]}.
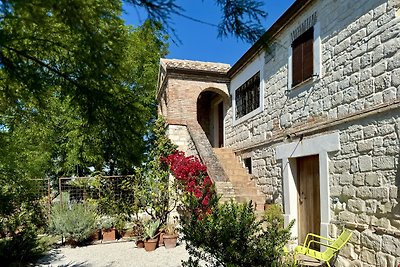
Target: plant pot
{"type": "Point", "coordinates": [109, 234]}
{"type": "Point", "coordinates": [150, 244]}
{"type": "Point", "coordinates": [96, 235]}
{"type": "Point", "coordinates": [161, 239]}
{"type": "Point", "coordinates": [139, 243]}
{"type": "Point", "coordinates": [170, 241]}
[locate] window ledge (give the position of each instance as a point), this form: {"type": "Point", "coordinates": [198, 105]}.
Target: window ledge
{"type": "Point", "coordinates": [310, 80]}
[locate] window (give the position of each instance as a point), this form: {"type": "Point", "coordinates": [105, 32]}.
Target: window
{"type": "Point", "coordinates": [302, 57]}
{"type": "Point", "coordinates": [247, 164]}
{"type": "Point", "coordinates": [247, 96]}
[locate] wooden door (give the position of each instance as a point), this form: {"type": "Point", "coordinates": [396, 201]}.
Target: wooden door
{"type": "Point", "coordinates": [309, 214]}
{"type": "Point", "coordinates": [221, 124]}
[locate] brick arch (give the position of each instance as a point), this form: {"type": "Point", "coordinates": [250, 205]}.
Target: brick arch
{"type": "Point", "coordinates": [211, 106]}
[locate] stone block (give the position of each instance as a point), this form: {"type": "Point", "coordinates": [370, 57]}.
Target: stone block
{"type": "Point", "coordinates": [379, 69]}
{"type": "Point", "coordinates": [346, 179]}
{"type": "Point", "coordinates": [383, 163]}
{"type": "Point", "coordinates": [372, 179]}
{"type": "Point", "coordinates": [341, 166]}
{"type": "Point", "coordinates": [385, 260]}
{"type": "Point", "coordinates": [389, 94]}
{"type": "Point", "coordinates": [364, 192]}
{"type": "Point", "coordinates": [369, 131]}
{"type": "Point", "coordinates": [368, 256]}
{"type": "Point", "coordinates": [356, 205]}
{"type": "Point", "coordinates": [371, 240]}
{"type": "Point", "coordinates": [365, 146]}
{"type": "Point", "coordinates": [380, 222]}
{"type": "Point", "coordinates": [391, 245]}
{"type": "Point", "coordinates": [354, 166]}
{"type": "Point", "coordinates": [347, 216]}
{"type": "Point", "coordinates": [359, 179]}
{"type": "Point", "coordinates": [371, 206]}
{"type": "Point", "coordinates": [366, 88]}
{"type": "Point", "coordinates": [393, 62]}
{"type": "Point", "coordinates": [385, 129]}
{"type": "Point", "coordinates": [382, 82]}
{"type": "Point", "coordinates": [380, 192]}
{"type": "Point", "coordinates": [395, 77]}
{"type": "Point", "coordinates": [349, 191]}
{"type": "Point", "coordinates": [365, 163]}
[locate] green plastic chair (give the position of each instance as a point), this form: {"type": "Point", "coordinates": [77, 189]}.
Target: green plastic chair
{"type": "Point", "coordinates": [304, 253]}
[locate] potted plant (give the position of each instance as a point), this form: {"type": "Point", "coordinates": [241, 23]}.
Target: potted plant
{"type": "Point", "coordinates": [170, 235]}
{"type": "Point", "coordinates": [151, 234]}
{"type": "Point", "coordinates": [107, 228]}
{"type": "Point", "coordinates": [138, 232]}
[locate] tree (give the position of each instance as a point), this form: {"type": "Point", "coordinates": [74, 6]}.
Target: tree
{"type": "Point", "coordinates": [242, 19]}
{"type": "Point", "coordinates": [89, 85]}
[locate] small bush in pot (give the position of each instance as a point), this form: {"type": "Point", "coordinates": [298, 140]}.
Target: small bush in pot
{"type": "Point", "coordinates": [151, 234]}
{"type": "Point", "coordinates": [107, 224]}
{"type": "Point", "coordinates": [170, 235]}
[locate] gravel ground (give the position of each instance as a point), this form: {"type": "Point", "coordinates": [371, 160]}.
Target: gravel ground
{"type": "Point", "coordinates": [114, 254]}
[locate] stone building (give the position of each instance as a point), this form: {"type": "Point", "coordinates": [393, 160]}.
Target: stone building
{"type": "Point", "coordinates": [309, 117]}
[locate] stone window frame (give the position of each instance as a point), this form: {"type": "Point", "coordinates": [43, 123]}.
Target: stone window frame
{"type": "Point", "coordinates": [302, 57]}
{"type": "Point", "coordinates": [316, 59]}
{"type": "Point", "coordinates": [247, 96]}
{"type": "Point", "coordinates": [256, 65]}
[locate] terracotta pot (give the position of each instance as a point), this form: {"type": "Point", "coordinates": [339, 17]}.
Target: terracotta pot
{"type": "Point", "coordinates": [161, 239]}
{"type": "Point", "coordinates": [170, 241]}
{"type": "Point", "coordinates": [96, 235]}
{"type": "Point", "coordinates": [109, 234]}
{"type": "Point", "coordinates": [140, 243]}
{"type": "Point", "coordinates": [150, 244]}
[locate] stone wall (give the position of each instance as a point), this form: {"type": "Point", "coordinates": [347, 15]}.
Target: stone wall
{"type": "Point", "coordinates": [356, 94]}
{"type": "Point", "coordinates": [179, 135]}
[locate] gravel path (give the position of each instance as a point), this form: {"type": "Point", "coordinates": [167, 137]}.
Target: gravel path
{"type": "Point", "coordinates": [114, 254]}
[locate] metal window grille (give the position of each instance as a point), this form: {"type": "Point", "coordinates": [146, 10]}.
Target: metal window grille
{"type": "Point", "coordinates": [248, 96]}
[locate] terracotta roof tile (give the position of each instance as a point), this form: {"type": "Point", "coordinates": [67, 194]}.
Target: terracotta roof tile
{"type": "Point", "coordinates": [195, 65]}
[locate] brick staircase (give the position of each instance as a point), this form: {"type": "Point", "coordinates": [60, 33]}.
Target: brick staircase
{"type": "Point", "coordinates": [240, 186]}
{"type": "Point", "coordinates": [231, 178]}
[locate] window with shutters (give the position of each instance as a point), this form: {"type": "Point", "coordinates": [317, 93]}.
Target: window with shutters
{"type": "Point", "coordinates": [247, 96]}
{"type": "Point", "coordinates": [302, 57]}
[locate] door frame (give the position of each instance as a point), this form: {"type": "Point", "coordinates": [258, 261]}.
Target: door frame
{"type": "Point", "coordinates": [215, 121]}
{"type": "Point", "coordinates": [316, 145]}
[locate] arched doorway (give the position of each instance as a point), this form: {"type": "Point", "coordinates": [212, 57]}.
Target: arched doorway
{"type": "Point", "coordinates": [210, 115]}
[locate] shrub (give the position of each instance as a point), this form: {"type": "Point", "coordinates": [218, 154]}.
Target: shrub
{"type": "Point", "coordinates": [21, 248]}
{"type": "Point", "coordinates": [232, 236]}
{"type": "Point", "coordinates": [76, 223]}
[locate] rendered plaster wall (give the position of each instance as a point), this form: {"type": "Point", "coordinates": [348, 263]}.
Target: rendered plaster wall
{"type": "Point", "coordinates": [356, 94]}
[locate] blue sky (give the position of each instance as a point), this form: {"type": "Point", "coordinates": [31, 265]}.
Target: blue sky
{"type": "Point", "coordinates": [200, 41]}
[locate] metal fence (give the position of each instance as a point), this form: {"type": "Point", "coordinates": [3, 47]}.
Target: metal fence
{"type": "Point", "coordinates": [41, 187]}
{"type": "Point", "coordinates": [108, 190]}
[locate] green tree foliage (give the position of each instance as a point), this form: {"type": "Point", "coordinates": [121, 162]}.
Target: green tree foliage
{"type": "Point", "coordinates": [76, 90]}
{"type": "Point", "coordinates": [242, 19]}
{"type": "Point", "coordinates": [77, 85]}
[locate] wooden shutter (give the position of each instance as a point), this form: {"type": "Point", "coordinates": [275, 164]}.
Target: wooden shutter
{"type": "Point", "coordinates": [308, 51]}
{"type": "Point", "coordinates": [297, 62]}
{"type": "Point", "coordinates": [302, 57]}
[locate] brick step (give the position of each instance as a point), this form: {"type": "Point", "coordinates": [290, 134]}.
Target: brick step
{"type": "Point", "coordinates": [240, 187]}
{"type": "Point", "coordinates": [235, 171]}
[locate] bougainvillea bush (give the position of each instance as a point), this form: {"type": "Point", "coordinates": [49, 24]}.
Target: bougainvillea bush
{"type": "Point", "coordinates": [196, 187]}
{"type": "Point", "coordinates": [222, 235]}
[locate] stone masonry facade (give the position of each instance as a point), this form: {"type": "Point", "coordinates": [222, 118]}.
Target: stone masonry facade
{"type": "Point", "coordinates": [356, 94]}
{"type": "Point", "coordinates": [352, 101]}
